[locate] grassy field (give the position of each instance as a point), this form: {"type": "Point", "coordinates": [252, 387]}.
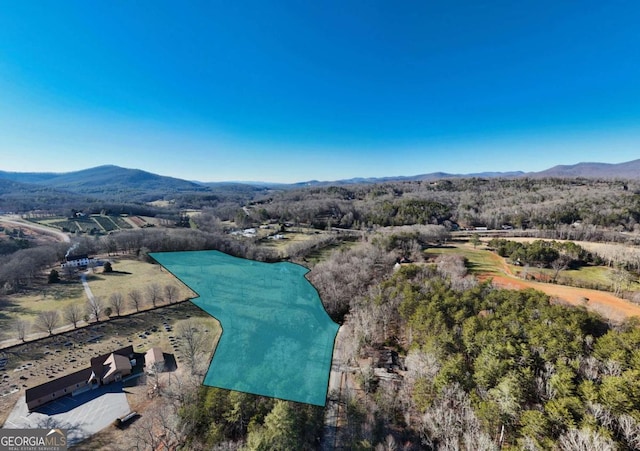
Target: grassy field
{"type": "Point", "coordinates": [479, 260]}
{"type": "Point", "coordinates": [27, 305]}
{"type": "Point", "coordinates": [320, 255]}
{"type": "Point", "coordinates": [484, 262]}
{"type": "Point", "coordinates": [132, 274]}
{"type": "Point", "coordinates": [596, 277]}
{"type": "Point", "coordinates": [128, 274]}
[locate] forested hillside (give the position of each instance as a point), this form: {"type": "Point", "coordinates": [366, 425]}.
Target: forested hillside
{"type": "Point", "coordinates": [120, 187]}
{"type": "Point", "coordinates": [521, 203]}
{"type": "Point", "coordinates": [483, 368]}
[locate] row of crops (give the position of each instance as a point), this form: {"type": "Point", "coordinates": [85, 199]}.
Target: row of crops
{"type": "Point", "coordinates": [95, 224]}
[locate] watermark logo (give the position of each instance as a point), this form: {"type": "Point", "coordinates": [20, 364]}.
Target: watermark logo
{"type": "Point", "coordinates": [33, 440]}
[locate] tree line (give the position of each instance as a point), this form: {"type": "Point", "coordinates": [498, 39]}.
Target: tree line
{"type": "Point", "coordinates": [522, 203]}
{"type": "Point", "coordinates": [97, 309]}
{"type": "Point", "coordinates": [544, 254]}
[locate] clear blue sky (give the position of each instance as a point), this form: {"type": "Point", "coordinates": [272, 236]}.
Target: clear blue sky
{"type": "Point", "coordinates": [292, 91]}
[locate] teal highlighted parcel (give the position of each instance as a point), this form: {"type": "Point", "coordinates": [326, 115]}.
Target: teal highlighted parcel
{"type": "Point", "coordinates": [277, 340]}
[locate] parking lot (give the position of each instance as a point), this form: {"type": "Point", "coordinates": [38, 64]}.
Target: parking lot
{"type": "Point", "coordinates": [82, 415]}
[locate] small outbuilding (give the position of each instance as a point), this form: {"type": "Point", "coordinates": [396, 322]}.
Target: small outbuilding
{"type": "Point", "coordinates": [154, 360]}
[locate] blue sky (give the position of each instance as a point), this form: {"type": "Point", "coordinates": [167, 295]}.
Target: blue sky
{"type": "Point", "coordinates": [292, 91]}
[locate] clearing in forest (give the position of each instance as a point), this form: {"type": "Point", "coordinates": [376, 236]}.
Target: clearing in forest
{"type": "Point", "coordinates": [488, 265]}
{"type": "Point", "coordinates": [277, 339]}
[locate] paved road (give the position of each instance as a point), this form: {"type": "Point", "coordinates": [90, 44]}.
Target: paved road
{"type": "Point", "coordinates": [332, 409]}
{"type": "Point", "coordinates": [16, 221]}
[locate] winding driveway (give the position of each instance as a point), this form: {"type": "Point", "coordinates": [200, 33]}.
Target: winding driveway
{"type": "Point", "coordinates": [16, 221]}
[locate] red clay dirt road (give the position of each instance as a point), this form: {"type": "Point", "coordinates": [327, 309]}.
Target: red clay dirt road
{"type": "Point", "coordinates": [604, 303]}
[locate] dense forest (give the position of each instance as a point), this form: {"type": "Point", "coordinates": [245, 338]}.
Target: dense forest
{"type": "Point", "coordinates": [520, 203]}
{"type": "Point", "coordinates": [486, 368]}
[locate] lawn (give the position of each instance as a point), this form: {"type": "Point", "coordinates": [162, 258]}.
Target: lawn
{"type": "Point", "coordinates": [128, 274]}
{"type": "Point", "coordinates": [27, 305]}
{"type": "Point", "coordinates": [132, 274]}
{"type": "Point", "coordinates": [479, 260]}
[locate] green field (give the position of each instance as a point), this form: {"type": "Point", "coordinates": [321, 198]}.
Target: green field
{"type": "Point", "coordinates": [128, 274]}
{"type": "Point", "coordinates": [95, 224]}
{"type": "Point", "coordinates": [479, 260]}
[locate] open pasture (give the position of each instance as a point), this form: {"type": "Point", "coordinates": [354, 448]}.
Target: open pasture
{"type": "Point", "coordinates": [129, 274]}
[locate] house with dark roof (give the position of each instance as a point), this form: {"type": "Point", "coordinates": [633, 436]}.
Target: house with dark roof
{"type": "Point", "coordinates": [111, 367]}
{"type": "Point", "coordinates": [66, 385]}
{"type": "Point", "coordinates": [77, 261]}
{"type": "Point", "coordinates": [103, 370]}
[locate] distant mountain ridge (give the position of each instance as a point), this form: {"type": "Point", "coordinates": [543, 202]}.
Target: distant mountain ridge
{"type": "Point", "coordinates": [89, 178]}
{"type": "Point", "coordinates": [102, 180]}
{"type": "Point", "coordinates": [627, 170]}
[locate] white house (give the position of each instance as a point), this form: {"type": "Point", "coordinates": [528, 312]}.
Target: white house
{"type": "Point", "coordinates": [77, 261]}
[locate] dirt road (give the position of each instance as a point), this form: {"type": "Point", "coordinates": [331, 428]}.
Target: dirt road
{"type": "Point", "coordinates": [602, 302]}
{"type": "Point", "coordinates": [15, 221]}
{"type": "Point", "coordinates": [332, 409]}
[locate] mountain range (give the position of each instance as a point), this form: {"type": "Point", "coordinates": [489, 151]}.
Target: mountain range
{"type": "Point", "coordinates": [114, 182]}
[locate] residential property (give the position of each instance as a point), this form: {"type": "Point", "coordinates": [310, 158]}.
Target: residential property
{"type": "Point", "coordinates": [112, 369]}
{"type": "Point", "coordinates": [77, 261]}
{"type": "Point", "coordinates": [103, 370]}
{"type": "Point", "coordinates": [70, 384]}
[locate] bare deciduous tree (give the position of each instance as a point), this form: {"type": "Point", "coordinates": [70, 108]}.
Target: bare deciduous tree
{"type": "Point", "coordinates": [193, 342]}
{"type": "Point", "coordinates": [621, 280]}
{"type": "Point", "coordinates": [135, 298]}
{"type": "Point", "coordinates": [73, 314]}
{"type": "Point", "coordinates": [346, 275]}
{"type": "Point", "coordinates": [450, 423]}
{"type": "Point", "coordinates": [154, 294]}
{"type": "Point", "coordinates": [95, 308]}
{"type": "Point", "coordinates": [170, 293]}
{"type": "Point", "coordinates": [21, 328]}
{"type": "Point", "coordinates": [559, 264]}
{"type": "Point", "coordinates": [630, 430]}
{"type": "Point", "coordinates": [47, 321]}
{"type": "Point", "coordinates": [584, 440]}
{"type": "Point", "coordinates": [157, 429]}
{"type": "Point", "coordinates": [116, 301]}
